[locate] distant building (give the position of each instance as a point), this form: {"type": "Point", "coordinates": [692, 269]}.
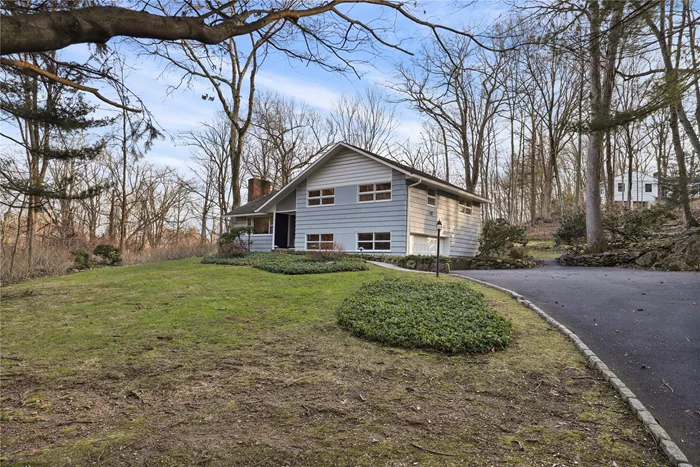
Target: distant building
{"type": "Point", "coordinates": [645, 190]}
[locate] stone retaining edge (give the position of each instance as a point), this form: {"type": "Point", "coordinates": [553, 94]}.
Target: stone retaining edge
{"type": "Point", "coordinates": [670, 448]}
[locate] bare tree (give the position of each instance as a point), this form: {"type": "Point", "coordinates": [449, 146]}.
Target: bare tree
{"type": "Point", "coordinates": [365, 120]}
{"type": "Point", "coordinates": [209, 146]}
{"type": "Point", "coordinates": [289, 136]}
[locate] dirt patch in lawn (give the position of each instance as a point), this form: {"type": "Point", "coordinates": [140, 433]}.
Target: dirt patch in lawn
{"type": "Point", "coordinates": [307, 393]}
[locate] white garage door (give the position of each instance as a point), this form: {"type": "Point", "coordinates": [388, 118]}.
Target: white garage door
{"type": "Point", "coordinates": [424, 245]}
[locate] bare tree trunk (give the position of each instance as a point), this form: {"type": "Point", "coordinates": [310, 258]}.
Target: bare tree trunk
{"type": "Point", "coordinates": [601, 95]}
{"type": "Point", "coordinates": [533, 164]}
{"type": "Point", "coordinates": [125, 162]}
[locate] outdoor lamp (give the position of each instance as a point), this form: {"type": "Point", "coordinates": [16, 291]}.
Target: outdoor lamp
{"type": "Point", "coordinates": [361, 250]}
{"type": "Point", "coordinates": [438, 226]}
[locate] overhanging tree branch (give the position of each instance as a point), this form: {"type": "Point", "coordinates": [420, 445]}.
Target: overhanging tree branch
{"type": "Point", "coordinates": [47, 74]}
{"type": "Point", "coordinates": [53, 30]}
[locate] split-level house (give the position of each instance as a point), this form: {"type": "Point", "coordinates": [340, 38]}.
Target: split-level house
{"type": "Point", "coordinates": [645, 190]}
{"type": "Point", "coordinates": [361, 201]}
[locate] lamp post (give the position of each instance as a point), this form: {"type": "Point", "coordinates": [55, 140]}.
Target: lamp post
{"type": "Point", "coordinates": [438, 226]}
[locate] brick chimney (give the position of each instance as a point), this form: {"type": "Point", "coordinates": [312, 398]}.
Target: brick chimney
{"type": "Point", "coordinates": [258, 187]}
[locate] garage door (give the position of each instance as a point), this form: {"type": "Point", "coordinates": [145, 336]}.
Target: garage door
{"type": "Point", "coordinates": [424, 245]}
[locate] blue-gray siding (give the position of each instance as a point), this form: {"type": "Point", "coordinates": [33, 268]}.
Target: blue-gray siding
{"type": "Point", "coordinates": [348, 217]}
{"type": "Point", "coordinates": [463, 230]}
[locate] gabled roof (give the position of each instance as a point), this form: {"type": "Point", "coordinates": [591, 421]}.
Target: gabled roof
{"type": "Point", "coordinates": [250, 208]}
{"type": "Point", "coordinates": [410, 172]}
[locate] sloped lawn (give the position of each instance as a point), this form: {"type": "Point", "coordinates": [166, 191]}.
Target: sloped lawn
{"type": "Point", "coordinates": [181, 363]}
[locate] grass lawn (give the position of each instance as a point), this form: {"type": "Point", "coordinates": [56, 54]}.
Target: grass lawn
{"type": "Point", "coordinates": [182, 363]}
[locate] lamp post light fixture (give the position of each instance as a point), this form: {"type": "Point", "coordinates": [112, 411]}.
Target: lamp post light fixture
{"type": "Point", "coordinates": [438, 226]}
{"type": "Point", "coordinates": [361, 250]}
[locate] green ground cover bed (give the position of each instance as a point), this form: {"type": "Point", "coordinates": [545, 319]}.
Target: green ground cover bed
{"type": "Point", "coordinates": [291, 264]}
{"type": "Point", "coordinates": [451, 317]}
{"type": "Point", "coordinates": [182, 363]}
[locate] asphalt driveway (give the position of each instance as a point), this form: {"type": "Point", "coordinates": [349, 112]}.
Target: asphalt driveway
{"type": "Point", "coordinates": [645, 325]}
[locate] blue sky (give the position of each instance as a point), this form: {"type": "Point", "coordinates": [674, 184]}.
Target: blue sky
{"type": "Point", "coordinates": [184, 109]}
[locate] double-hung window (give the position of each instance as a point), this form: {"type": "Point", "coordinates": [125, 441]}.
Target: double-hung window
{"type": "Point", "coordinates": [319, 241]}
{"type": "Point", "coordinates": [620, 187]}
{"type": "Point", "coordinates": [374, 192]}
{"type": "Point", "coordinates": [647, 188]}
{"type": "Point", "coordinates": [325, 196]}
{"type": "Point", "coordinates": [432, 197]}
{"type": "Point", "coordinates": [465, 207]}
{"type": "Point", "coordinates": [374, 241]}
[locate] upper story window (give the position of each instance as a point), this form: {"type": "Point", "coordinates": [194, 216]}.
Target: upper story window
{"type": "Point", "coordinates": [465, 207]}
{"type": "Point", "coordinates": [324, 196]}
{"type": "Point", "coordinates": [647, 188]}
{"type": "Point", "coordinates": [620, 187]}
{"type": "Point", "coordinates": [432, 197]}
{"type": "Point", "coordinates": [374, 192]}
{"type": "Point", "coordinates": [261, 225]}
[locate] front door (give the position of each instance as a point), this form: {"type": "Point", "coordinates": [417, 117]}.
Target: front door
{"type": "Point", "coordinates": [292, 230]}
{"type": "Point", "coordinates": [281, 230]}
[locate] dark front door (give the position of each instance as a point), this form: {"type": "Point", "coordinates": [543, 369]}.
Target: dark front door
{"type": "Point", "coordinates": [282, 230]}
{"type": "Point", "coordinates": [292, 229]}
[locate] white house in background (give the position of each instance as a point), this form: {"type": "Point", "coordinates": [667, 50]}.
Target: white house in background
{"type": "Point", "coordinates": [360, 200]}
{"type": "Point", "coordinates": [645, 190]}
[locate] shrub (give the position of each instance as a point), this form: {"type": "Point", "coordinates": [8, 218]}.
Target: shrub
{"type": "Point", "coordinates": [81, 259]}
{"type": "Point", "coordinates": [334, 254]}
{"type": "Point", "coordinates": [572, 229]}
{"type": "Point", "coordinates": [627, 226]}
{"type": "Point", "coordinates": [498, 236]}
{"type": "Point", "coordinates": [109, 254]}
{"type": "Point", "coordinates": [450, 317]}
{"type": "Point", "coordinates": [232, 242]}
{"type": "Point", "coordinates": [517, 252]}
{"type": "Point", "coordinates": [232, 250]}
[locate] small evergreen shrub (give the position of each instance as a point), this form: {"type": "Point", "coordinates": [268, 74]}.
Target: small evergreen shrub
{"type": "Point", "coordinates": [110, 255]}
{"type": "Point", "coordinates": [572, 229]}
{"type": "Point", "coordinates": [625, 226]}
{"type": "Point", "coordinates": [450, 317]}
{"type": "Point", "coordinates": [234, 243]}
{"type": "Point", "coordinates": [517, 252]}
{"type": "Point", "coordinates": [498, 236]}
{"type": "Point", "coordinates": [81, 259]}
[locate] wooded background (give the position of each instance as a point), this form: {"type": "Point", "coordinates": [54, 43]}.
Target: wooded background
{"type": "Point", "coordinates": [537, 113]}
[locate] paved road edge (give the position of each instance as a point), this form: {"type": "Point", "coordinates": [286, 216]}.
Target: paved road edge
{"type": "Point", "coordinates": [670, 448]}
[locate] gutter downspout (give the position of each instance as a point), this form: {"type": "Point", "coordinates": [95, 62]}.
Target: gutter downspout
{"type": "Point", "coordinates": [408, 214]}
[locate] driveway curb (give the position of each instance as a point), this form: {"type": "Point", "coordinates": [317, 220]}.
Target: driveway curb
{"type": "Point", "coordinates": [671, 449]}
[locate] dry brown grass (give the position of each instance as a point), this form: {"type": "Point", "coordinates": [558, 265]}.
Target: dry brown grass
{"type": "Point", "coordinates": [56, 260]}
{"type": "Point", "coordinates": [168, 254]}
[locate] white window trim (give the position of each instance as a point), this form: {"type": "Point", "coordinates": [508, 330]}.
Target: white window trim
{"type": "Point", "coordinates": [306, 240]}
{"type": "Point", "coordinates": [320, 190]}
{"type": "Point", "coordinates": [427, 191]}
{"type": "Point", "coordinates": [374, 192]}
{"type": "Point", "coordinates": [357, 241]}
{"type": "Point", "coordinates": [272, 225]}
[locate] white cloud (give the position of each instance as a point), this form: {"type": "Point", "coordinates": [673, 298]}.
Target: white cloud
{"type": "Point", "coordinates": [409, 130]}
{"type": "Point", "coordinates": [311, 93]}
